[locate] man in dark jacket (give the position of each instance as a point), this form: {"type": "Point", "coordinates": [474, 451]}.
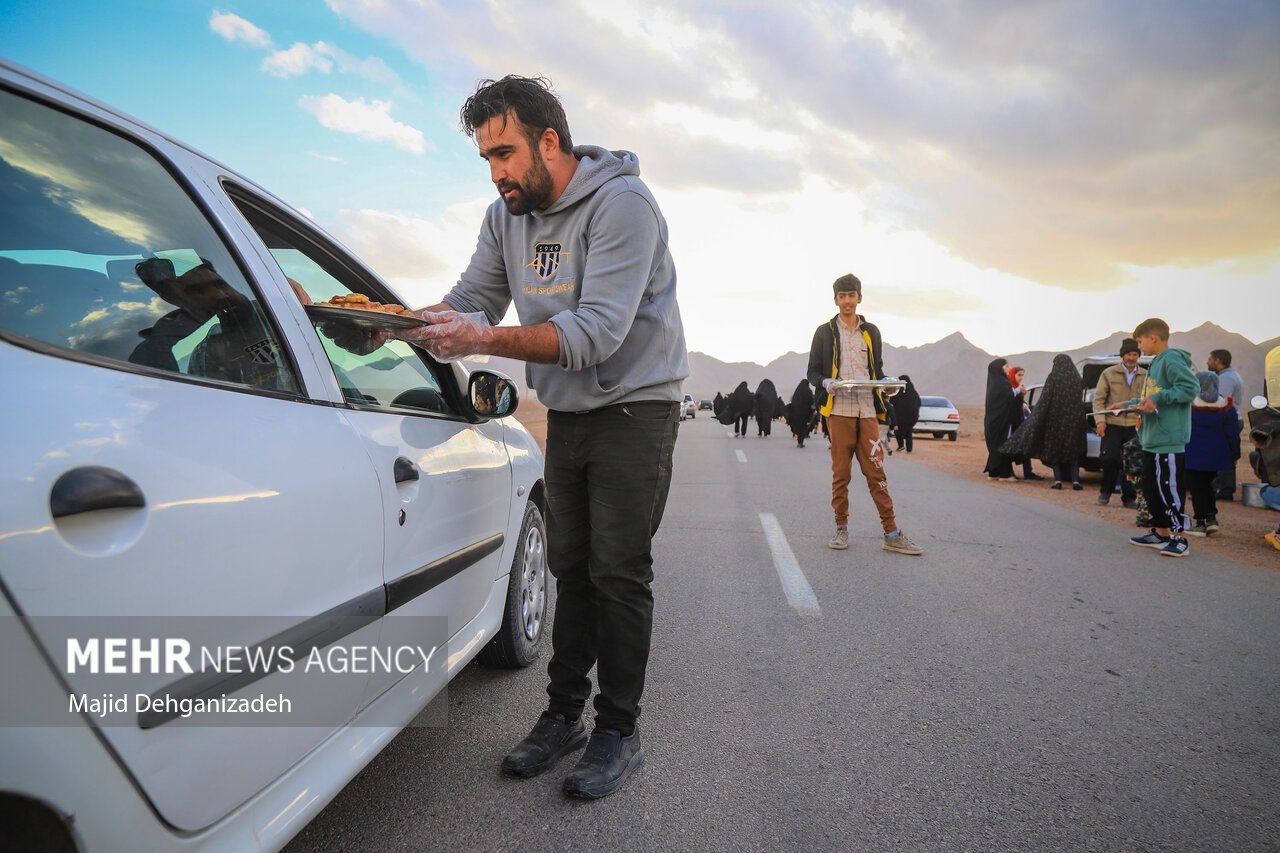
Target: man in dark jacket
{"type": "Point", "coordinates": [848, 347]}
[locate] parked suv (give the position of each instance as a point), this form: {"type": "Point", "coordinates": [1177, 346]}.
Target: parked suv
{"type": "Point", "coordinates": [240, 547]}
{"type": "Point", "coordinates": [1090, 368]}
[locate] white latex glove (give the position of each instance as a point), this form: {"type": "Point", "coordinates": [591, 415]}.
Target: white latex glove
{"type": "Point", "coordinates": [451, 335]}
{"type": "Point", "coordinates": [829, 385]}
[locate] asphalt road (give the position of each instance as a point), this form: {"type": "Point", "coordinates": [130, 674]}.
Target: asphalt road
{"type": "Point", "coordinates": [1032, 682]}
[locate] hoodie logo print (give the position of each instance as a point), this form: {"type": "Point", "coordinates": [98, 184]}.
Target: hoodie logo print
{"type": "Point", "coordinates": [546, 259]}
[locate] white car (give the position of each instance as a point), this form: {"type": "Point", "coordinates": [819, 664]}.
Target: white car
{"type": "Point", "coordinates": [238, 550]}
{"type": "Point", "coordinates": [938, 417]}
{"type": "Point", "coordinates": [688, 407]}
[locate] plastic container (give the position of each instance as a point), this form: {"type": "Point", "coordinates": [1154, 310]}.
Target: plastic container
{"type": "Point", "coordinates": [1251, 495]}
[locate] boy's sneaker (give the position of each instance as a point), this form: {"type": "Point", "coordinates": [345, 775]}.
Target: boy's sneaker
{"type": "Point", "coordinates": [1211, 526]}
{"type": "Point", "coordinates": [1197, 529]}
{"type": "Point", "coordinates": [1274, 538]}
{"type": "Point", "coordinates": [1150, 540]}
{"type": "Point", "coordinates": [841, 540]}
{"type": "Point", "coordinates": [902, 545]}
{"type": "Point", "coordinates": [1177, 547]}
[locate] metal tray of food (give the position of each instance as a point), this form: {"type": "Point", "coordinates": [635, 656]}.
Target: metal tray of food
{"type": "Point", "coordinates": [888, 386]}
{"type": "Point", "coordinates": [369, 318]}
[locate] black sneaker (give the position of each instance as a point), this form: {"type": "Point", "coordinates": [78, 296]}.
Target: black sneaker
{"type": "Point", "coordinates": [1197, 529]}
{"type": "Point", "coordinates": [607, 762]}
{"type": "Point", "coordinates": [1150, 540]}
{"type": "Point", "coordinates": [552, 737]}
{"type": "Point", "coordinates": [1177, 547]}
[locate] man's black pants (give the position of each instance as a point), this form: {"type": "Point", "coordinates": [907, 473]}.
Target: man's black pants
{"type": "Point", "coordinates": [608, 473]}
{"type": "Point", "coordinates": [1111, 455]}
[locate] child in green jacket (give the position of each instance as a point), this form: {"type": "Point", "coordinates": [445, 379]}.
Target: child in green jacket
{"type": "Point", "coordinates": [1164, 430]}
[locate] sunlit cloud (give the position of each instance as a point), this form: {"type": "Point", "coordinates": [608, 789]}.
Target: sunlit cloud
{"type": "Point", "coordinates": [324, 57]}
{"type": "Point", "coordinates": [235, 28]}
{"type": "Point", "coordinates": [297, 60]}
{"type": "Point", "coordinates": [367, 120]}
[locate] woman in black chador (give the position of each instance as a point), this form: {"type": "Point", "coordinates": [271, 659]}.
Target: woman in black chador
{"type": "Point", "coordinates": [998, 420]}
{"type": "Point", "coordinates": [717, 405]}
{"type": "Point", "coordinates": [799, 411]}
{"type": "Point", "coordinates": [737, 409]}
{"type": "Point", "coordinates": [766, 407]}
{"type": "Point", "coordinates": [906, 411]}
{"type": "Point", "coordinates": [1055, 432]}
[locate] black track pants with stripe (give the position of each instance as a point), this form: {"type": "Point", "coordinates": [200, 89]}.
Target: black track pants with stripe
{"type": "Point", "coordinates": [1165, 488]}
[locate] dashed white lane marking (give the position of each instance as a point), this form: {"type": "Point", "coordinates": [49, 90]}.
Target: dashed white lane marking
{"type": "Point", "coordinates": [797, 589]}
{"type": "Point", "coordinates": [742, 457]}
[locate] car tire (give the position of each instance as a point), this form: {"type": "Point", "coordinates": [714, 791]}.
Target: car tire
{"type": "Point", "coordinates": [524, 619]}
{"type": "Point", "coordinates": [939, 434]}
{"type": "Point", "coordinates": [951, 436]}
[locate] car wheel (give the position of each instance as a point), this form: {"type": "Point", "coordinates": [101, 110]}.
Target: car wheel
{"type": "Point", "coordinates": [939, 434]}
{"type": "Point", "coordinates": [518, 639]}
{"type": "Point", "coordinates": [951, 436]}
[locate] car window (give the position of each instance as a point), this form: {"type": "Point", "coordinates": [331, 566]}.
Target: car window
{"type": "Point", "coordinates": [941, 402]}
{"type": "Point", "coordinates": [395, 375]}
{"type": "Point", "coordinates": [104, 255]}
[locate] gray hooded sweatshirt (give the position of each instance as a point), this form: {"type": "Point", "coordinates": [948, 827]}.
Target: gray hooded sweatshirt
{"type": "Point", "coordinates": [596, 264]}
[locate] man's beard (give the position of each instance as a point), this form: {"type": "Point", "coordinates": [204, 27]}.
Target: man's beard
{"type": "Point", "coordinates": [534, 192]}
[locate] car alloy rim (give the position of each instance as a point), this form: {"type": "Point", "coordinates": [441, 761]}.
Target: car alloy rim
{"type": "Point", "coordinates": [533, 584]}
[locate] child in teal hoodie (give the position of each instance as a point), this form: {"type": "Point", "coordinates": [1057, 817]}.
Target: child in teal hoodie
{"type": "Point", "coordinates": [1164, 430]}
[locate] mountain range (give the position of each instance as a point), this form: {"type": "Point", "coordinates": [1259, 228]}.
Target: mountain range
{"type": "Point", "coordinates": [957, 369]}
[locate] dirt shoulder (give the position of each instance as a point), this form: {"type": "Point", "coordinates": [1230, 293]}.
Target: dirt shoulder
{"type": "Point", "coordinates": [1242, 527]}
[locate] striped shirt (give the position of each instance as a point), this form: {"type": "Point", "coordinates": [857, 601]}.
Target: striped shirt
{"type": "Point", "coordinates": [853, 365]}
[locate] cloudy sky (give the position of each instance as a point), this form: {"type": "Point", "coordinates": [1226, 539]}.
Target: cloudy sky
{"type": "Point", "coordinates": [1033, 174]}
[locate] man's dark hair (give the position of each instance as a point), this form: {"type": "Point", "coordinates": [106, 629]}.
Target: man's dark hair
{"type": "Point", "coordinates": [1222, 355]}
{"type": "Point", "coordinates": [848, 283]}
{"type": "Point", "coordinates": [530, 99]}
{"type": "Point", "coordinates": [1153, 325]}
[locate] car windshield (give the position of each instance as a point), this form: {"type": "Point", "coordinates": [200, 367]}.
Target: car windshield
{"type": "Point", "coordinates": [937, 402]}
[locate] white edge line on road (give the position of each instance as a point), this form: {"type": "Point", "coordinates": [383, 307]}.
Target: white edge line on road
{"type": "Point", "coordinates": [742, 457]}
{"type": "Point", "coordinates": [797, 589]}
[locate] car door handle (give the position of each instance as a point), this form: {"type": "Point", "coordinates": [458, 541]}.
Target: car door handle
{"type": "Point", "coordinates": [93, 487]}
{"type": "Point", "coordinates": [405, 470]}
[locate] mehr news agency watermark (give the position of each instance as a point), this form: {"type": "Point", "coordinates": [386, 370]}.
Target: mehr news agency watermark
{"type": "Point", "coordinates": [116, 673]}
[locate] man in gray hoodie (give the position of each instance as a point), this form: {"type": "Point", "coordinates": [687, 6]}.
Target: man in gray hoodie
{"type": "Point", "coordinates": [578, 243]}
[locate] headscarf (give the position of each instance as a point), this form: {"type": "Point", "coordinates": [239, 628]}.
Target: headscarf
{"type": "Point", "coordinates": [799, 410]}
{"type": "Point", "coordinates": [1055, 432]}
{"type": "Point", "coordinates": [997, 417]}
{"type": "Point", "coordinates": [1208, 386]}
{"type": "Point", "coordinates": [906, 404]}
{"type": "Point", "coordinates": [1013, 376]}
{"type": "Point", "coordinates": [766, 400]}
{"type": "Point", "coordinates": [739, 403]}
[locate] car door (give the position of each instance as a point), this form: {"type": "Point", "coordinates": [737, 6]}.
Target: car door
{"type": "Point", "coordinates": [168, 476]}
{"type": "Point", "coordinates": [446, 481]}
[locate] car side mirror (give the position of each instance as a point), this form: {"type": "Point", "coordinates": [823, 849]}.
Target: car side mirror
{"type": "Point", "coordinates": [492, 395]}
{"type": "Point", "coordinates": [1258, 402]}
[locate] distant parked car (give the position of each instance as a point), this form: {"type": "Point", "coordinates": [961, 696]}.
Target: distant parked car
{"type": "Point", "coordinates": [704, 404]}
{"type": "Point", "coordinates": [1090, 368]}
{"type": "Point", "coordinates": [938, 417]}
{"type": "Point", "coordinates": [688, 409]}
